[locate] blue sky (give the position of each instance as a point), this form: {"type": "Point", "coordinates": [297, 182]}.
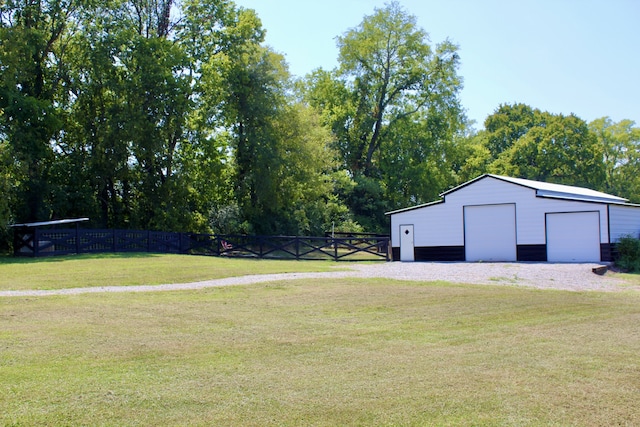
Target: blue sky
{"type": "Point", "coordinates": [561, 56]}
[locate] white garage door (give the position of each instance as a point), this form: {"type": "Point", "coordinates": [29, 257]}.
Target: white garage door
{"type": "Point", "coordinates": [573, 237]}
{"type": "Point", "coordinates": [490, 232]}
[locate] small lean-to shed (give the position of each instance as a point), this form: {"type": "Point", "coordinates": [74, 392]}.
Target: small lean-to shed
{"type": "Point", "coordinates": [499, 218]}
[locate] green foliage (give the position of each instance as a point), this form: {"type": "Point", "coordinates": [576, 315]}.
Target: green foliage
{"type": "Point", "coordinates": [7, 197]}
{"type": "Point", "coordinates": [508, 124]}
{"type": "Point", "coordinates": [368, 204]}
{"type": "Point", "coordinates": [227, 219]}
{"type": "Point", "coordinates": [620, 143]}
{"type": "Point", "coordinates": [173, 115]}
{"type": "Point", "coordinates": [393, 107]}
{"type": "Point", "coordinates": [523, 142]}
{"type": "Point", "coordinates": [157, 115]}
{"type": "Point", "coordinates": [562, 151]}
{"type": "Point", "coordinates": [391, 73]}
{"type": "Point", "coordinates": [30, 58]}
{"type": "Point", "coordinates": [628, 258]}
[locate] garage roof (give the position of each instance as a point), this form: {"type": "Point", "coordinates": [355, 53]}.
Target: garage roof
{"type": "Point", "coordinates": [543, 189]}
{"type": "Point", "coordinates": [546, 189]}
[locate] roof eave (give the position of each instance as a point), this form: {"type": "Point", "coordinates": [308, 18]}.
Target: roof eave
{"type": "Point", "coordinates": [582, 199]}
{"type": "Point", "coordinates": [411, 208]}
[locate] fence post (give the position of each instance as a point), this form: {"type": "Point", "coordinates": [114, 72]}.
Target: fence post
{"type": "Point", "coordinates": [388, 249]}
{"type": "Point", "coordinates": [261, 239]}
{"type": "Point", "coordinates": [77, 238]}
{"type": "Point", "coordinates": [183, 243]}
{"type": "Point", "coordinates": [335, 250]}
{"type": "Point", "coordinates": [36, 242]}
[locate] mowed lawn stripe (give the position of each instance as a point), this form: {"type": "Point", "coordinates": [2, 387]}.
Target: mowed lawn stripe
{"type": "Point", "coordinates": [318, 352]}
{"type": "Point", "coordinates": [79, 271]}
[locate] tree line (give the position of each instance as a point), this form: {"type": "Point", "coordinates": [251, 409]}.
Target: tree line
{"type": "Point", "coordinates": [174, 115]}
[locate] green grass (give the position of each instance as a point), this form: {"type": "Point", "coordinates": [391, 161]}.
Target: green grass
{"type": "Point", "coordinates": [137, 269]}
{"type": "Point", "coordinates": [632, 280]}
{"type": "Point", "coordinates": [326, 353]}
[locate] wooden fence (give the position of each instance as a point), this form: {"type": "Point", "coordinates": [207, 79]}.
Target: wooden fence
{"type": "Point", "coordinates": [37, 242]}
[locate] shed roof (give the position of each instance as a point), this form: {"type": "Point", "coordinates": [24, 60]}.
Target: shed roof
{"type": "Point", "coordinates": [54, 222]}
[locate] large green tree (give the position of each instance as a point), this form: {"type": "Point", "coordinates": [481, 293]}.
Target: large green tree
{"type": "Point", "coordinates": [620, 143]}
{"type": "Point", "coordinates": [392, 73]}
{"type": "Point", "coordinates": [282, 159]}
{"type": "Point", "coordinates": [97, 145]}
{"type": "Point", "coordinates": [542, 146]}
{"type": "Point", "coordinates": [393, 106]}
{"type": "Point", "coordinates": [508, 124]}
{"type": "Point", "coordinates": [140, 127]}
{"type": "Point", "coordinates": [32, 50]}
{"type": "Point", "coordinates": [156, 115]}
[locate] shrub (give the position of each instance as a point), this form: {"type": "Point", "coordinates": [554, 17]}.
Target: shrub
{"type": "Point", "coordinates": [628, 257]}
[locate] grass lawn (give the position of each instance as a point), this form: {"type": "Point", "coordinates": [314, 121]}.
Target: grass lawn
{"type": "Point", "coordinates": [137, 269]}
{"type": "Point", "coordinates": [344, 352]}
{"type": "Point", "coordinates": [632, 280]}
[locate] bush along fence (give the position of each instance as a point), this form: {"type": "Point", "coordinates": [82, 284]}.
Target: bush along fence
{"type": "Point", "coordinates": [39, 242]}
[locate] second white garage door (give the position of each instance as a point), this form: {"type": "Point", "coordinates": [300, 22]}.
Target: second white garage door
{"type": "Point", "coordinates": [490, 232]}
{"type": "Point", "coordinates": [573, 237]}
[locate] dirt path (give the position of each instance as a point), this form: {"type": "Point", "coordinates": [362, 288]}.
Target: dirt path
{"type": "Point", "coordinates": [575, 277]}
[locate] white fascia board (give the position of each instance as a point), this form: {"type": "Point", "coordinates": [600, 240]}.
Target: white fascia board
{"type": "Point", "coordinates": [437, 202]}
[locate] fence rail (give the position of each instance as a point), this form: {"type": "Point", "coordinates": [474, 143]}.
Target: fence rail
{"type": "Point", "coordinates": [50, 242]}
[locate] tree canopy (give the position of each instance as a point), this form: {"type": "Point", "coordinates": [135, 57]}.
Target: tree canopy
{"type": "Point", "coordinates": [175, 115]}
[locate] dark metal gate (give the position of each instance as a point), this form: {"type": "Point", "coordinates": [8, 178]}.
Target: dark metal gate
{"type": "Point", "coordinates": [33, 240]}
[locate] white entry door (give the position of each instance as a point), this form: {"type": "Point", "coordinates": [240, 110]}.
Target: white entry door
{"type": "Point", "coordinates": [406, 243]}
{"type": "Point", "coordinates": [573, 237]}
{"type": "Point", "coordinates": [490, 233]}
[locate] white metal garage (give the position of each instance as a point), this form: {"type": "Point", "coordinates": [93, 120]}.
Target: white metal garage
{"type": "Point", "coordinates": [498, 218]}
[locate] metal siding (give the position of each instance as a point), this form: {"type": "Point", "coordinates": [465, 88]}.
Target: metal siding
{"type": "Point", "coordinates": [606, 252]}
{"type": "Point", "coordinates": [436, 225]}
{"type": "Point", "coordinates": [443, 224]}
{"type": "Point", "coordinates": [490, 191]}
{"type": "Point", "coordinates": [533, 229]}
{"type": "Point", "coordinates": [530, 210]}
{"type": "Point", "coordinates": [625, 220]}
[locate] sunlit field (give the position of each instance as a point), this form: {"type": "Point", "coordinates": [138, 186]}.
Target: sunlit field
{"type": "Point", "coordinates": [318, 352]}
{"type": "Point", "coordinates": [138, 269]}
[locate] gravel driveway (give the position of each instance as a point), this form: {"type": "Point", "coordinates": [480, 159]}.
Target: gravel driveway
{"type": "Point", "coordinates": [575, 277]}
